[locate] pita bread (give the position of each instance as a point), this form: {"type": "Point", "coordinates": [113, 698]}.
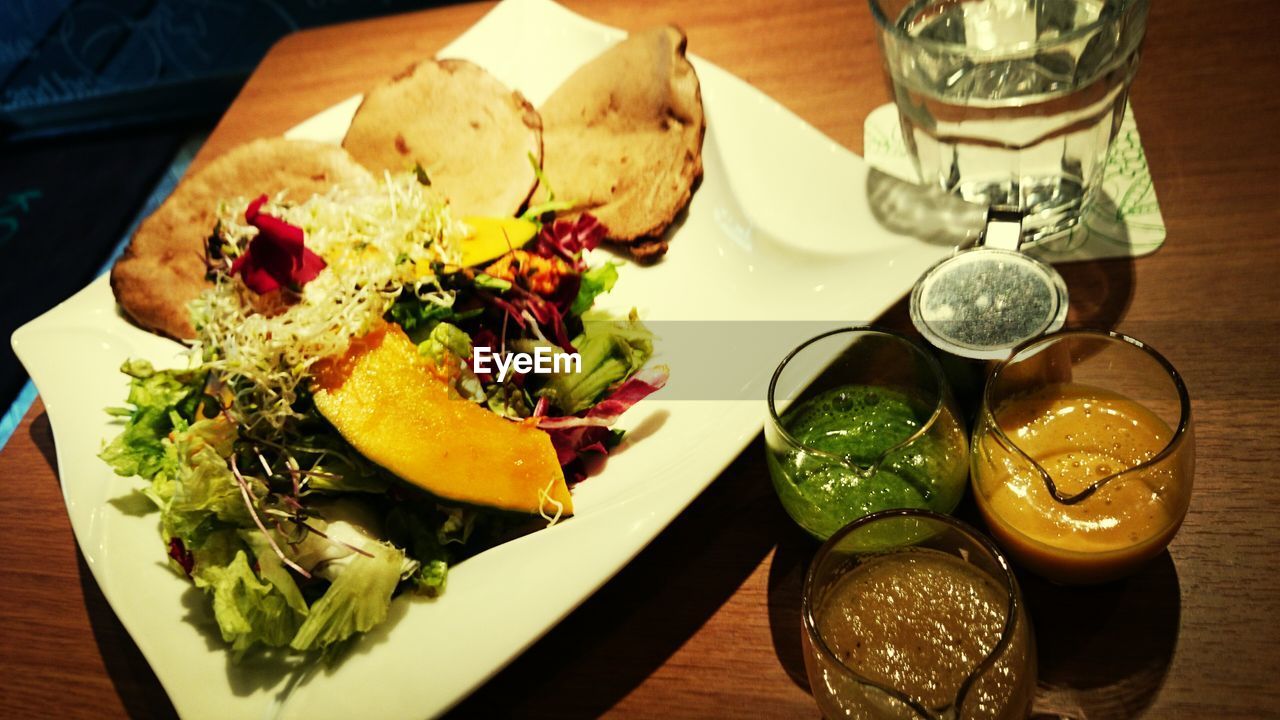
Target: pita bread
{"type": "Point", "coordinates": [163, 269]}
{"type": "Point", "coordinates": [623, 137]}
{"type": "Point", "coordinates": [471, 134]}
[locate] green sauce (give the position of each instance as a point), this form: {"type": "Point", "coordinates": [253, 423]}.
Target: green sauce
{"type": "Point", "coordinates": [859, 424]}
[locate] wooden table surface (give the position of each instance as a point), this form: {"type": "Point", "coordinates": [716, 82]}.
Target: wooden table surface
{"type": "Point", "coordinates": [704, 622]}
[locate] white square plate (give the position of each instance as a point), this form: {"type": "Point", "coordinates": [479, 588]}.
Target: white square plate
{"type": "Point", "coordinates": [780, 229]}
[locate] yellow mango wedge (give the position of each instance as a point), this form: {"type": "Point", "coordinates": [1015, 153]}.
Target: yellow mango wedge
{"type": "Point", "coordinates": [493, 237]}
{"type": "Point", "coordinates": [388, 403]}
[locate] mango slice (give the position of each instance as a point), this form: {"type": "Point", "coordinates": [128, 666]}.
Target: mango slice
{"type": "Point", "coordinates": [493, 237]}
{"type": "Point", "coordinates": [385, 399]}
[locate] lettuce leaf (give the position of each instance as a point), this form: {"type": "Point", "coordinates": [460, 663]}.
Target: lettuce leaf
{"type": "Point", "coordinates": [448, 346]}
{"type": "Point", "coordinates": [196, 484]}
{"type": "Point", "coordinates": [356, 601]}
{"type": "Point", "coordinates": [248, 608]}
{"type": "Point", "coordinates": [507, 400]}
{"type": "Point", "coordinates": [595, 282]}
{"type": "Point", "coordinates": [156, 397]}
{"type": "Point", "coordinates": [413, 314]}
{"type": "Point", "coordinates": [575, 436]}
{"type": "Point", "coordinates": [446, 340]}
{"type": "Point", "coordinates": [273, 571]}
{"type": "Point", "coordinates": [611, 352]}
{"type": "Point", "coordinates": [419, 317]}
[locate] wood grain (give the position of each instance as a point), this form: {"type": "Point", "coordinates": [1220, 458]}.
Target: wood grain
{"type": "Point", "coordinates": [704, 622]}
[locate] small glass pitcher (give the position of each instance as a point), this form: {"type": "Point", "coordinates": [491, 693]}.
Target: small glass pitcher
{"type": "Point", "coordinates": [862, 420]}
{"type": "Point", "coordinates": [1083, 455]}
{"type": "Point", "coordinates": [908, 614]}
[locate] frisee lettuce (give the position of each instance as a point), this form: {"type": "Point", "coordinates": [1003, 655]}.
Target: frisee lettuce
{"type": "Point", "coordinates": [382, 242]}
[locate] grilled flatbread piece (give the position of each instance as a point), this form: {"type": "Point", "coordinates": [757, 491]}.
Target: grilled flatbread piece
{"type": "Point", "coordinates": [623, 137]}
{"type": "Point", "coordinates": [163, 269]}
{"type": "Point", "coordinates": [470, 133]}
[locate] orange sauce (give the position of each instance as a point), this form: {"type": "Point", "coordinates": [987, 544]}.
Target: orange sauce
{"type": "Point", "coordinates": [1079, 435]}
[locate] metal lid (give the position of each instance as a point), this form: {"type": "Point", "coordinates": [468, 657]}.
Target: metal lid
{"type": "Point", "coordinates": [982, 302]}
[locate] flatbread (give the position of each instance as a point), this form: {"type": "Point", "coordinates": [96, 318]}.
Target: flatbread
{"type": "Point", "coordinates": [163, 269]}
{"type": "Point", "coordinates": [470, 133]}
{"type": "Point", "coordinates": [623, 137]}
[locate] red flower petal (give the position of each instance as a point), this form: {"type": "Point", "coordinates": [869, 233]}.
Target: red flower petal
{"type": "Point", "coordinates": [251, 212]}
{"type": "Point", "coordinates": [312, 264]}
{"type": "Point", "coordinates": [278, 256]}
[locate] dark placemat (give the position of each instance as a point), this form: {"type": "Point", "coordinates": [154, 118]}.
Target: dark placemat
{"type": "Point", "coordinates": [70, 65]}
{"type": "Point", "coordinates": [63, 209]}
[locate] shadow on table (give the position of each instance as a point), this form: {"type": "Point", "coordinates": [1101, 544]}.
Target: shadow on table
{"type": "Point", "coordinates": [41, 433]}
{"type": "Point", "coordinates": [1105, 650]}
{"type": "Point", "coordinates": [1100, 291]}
{"type": "Point", "coordinates": [786, 584]}
{"type": "Point", "coordinates": [640, 618]}
{"type": "Point", "coordinates": [134, 681]}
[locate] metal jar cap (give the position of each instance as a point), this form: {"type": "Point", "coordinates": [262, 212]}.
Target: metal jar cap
{"type": "Point", "coordinates": [982, 302]}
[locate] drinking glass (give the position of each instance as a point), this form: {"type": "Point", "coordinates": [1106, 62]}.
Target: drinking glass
{"type": "Point", "coordinates": [862, 420]}
{"type": "Point", "coordinates": [1012, 103]}
{"type": "Point", "coordinates": [930, 625]}
{"type": "Point", "coordinates": [1083, 455]}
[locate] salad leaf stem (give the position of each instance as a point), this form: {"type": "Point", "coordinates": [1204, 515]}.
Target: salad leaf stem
{"type": "Point", "coordinates": [248, 501]}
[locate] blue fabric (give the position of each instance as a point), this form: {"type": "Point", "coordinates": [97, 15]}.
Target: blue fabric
{"type": "Point", "coordinates": [13, 416]}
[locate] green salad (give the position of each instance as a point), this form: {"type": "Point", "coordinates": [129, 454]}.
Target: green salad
{"type": "Point", "coordinates": [299, 541]}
